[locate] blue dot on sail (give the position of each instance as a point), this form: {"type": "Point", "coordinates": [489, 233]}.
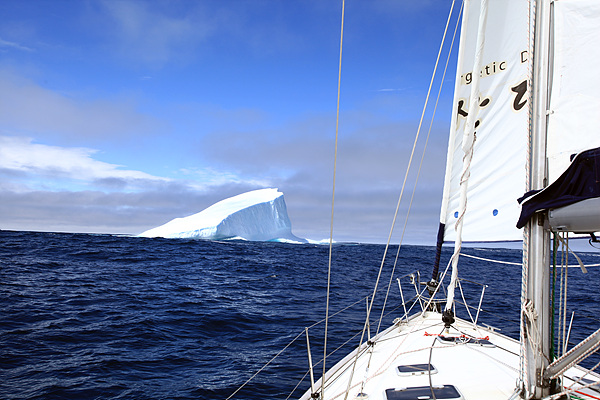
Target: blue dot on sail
{"type": "Point", "coordinates": [495, 212]}
{"type": "Point", "coordinates": [456, 214]}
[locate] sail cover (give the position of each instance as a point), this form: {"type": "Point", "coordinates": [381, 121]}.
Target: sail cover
{"type": "Point", "coordinates": [497, 176]}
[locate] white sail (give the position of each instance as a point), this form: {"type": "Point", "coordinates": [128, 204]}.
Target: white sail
{"type": "Point", "coordinates": [497, 175]}
{"type": "Point", "coordinates": [574, 116]}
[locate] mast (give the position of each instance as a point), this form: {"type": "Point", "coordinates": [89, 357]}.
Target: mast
{"type": "Point", "coordinates": [536, 257]}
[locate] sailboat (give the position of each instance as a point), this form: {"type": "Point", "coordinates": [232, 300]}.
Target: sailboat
{"type": "Point", "coordinates": [525, 125]}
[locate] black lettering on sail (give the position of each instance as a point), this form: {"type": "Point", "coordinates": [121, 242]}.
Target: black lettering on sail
{"type": "Point", "coordinates": [520, 90]}
{"type": "Point", "coordinates": [461, 111]}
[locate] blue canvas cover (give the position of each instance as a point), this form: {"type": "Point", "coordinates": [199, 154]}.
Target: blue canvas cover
{"type": "Point", "coordinates": [580, 181]}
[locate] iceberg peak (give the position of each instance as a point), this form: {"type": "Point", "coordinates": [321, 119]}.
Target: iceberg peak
{"type": "Point", "coordinates": [258, 215]}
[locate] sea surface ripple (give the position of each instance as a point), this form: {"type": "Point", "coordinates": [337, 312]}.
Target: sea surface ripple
{"type": "Point", "coordinates": [112, 317]}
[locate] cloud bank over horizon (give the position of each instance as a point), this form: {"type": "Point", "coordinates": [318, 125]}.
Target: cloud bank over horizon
{"type": "Point", "coordinates": [117, 116]}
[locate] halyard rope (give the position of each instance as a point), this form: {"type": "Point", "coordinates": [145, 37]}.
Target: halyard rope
{"type": "Point", "coordinates": [337, 123]}
{"type": "Point", "coordinates": [468, 143]}
{"type": "Point", "coordinates": [568, 249]}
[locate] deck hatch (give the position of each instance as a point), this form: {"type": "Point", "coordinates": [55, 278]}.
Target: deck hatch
{"type": "Point", "coordinates": [447, 392]}
{"type": "Point", "coordinates": [415, 369]}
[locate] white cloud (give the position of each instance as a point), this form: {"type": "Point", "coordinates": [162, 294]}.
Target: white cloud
{"type": "Point", "coordinates": [21, 155]}
{"type": "Point", "coordinates": [13, 45]}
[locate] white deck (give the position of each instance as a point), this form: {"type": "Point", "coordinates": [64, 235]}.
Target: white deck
{"type": "Point", "coordinates": [477, 371]}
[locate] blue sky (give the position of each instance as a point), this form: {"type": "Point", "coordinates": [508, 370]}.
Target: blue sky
{"type": "Point", "coordinates": [117, 116]}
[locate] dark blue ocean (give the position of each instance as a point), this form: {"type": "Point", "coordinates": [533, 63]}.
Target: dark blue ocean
{"type": "Point", "coordinates": [112, 317]}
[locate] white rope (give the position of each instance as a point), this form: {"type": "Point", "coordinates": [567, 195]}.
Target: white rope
{"type": "Point", "coordinates": [520, 264]}
{"type": "Point", "coordinates": [579, 262]}
{"type": "Point", "coordinates": [579, 266]}
{"type": "Point", "coordinates": [532, 332]}
{"type": "Point", "coordinates": [490, 260]}
{"type": "Point", "coordinates": [468, 142]}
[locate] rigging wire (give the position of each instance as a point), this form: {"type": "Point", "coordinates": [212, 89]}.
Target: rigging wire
{"type": "Point", "coordinates": [399, 199]}
{"type": "Point", "coordinates": [265, 366]}
{"type": "Point", "coordinates": [424, 150]}
{"type": "Point", "coordinates": [337, 124]}
{"type": "Point", "coordinates": [569, 391]}
{"type": "Point", "coordinates": [295, 339]}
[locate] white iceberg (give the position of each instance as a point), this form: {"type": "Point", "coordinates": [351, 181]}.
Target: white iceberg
{"type": "Point", "coordinates": [259, 215]}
